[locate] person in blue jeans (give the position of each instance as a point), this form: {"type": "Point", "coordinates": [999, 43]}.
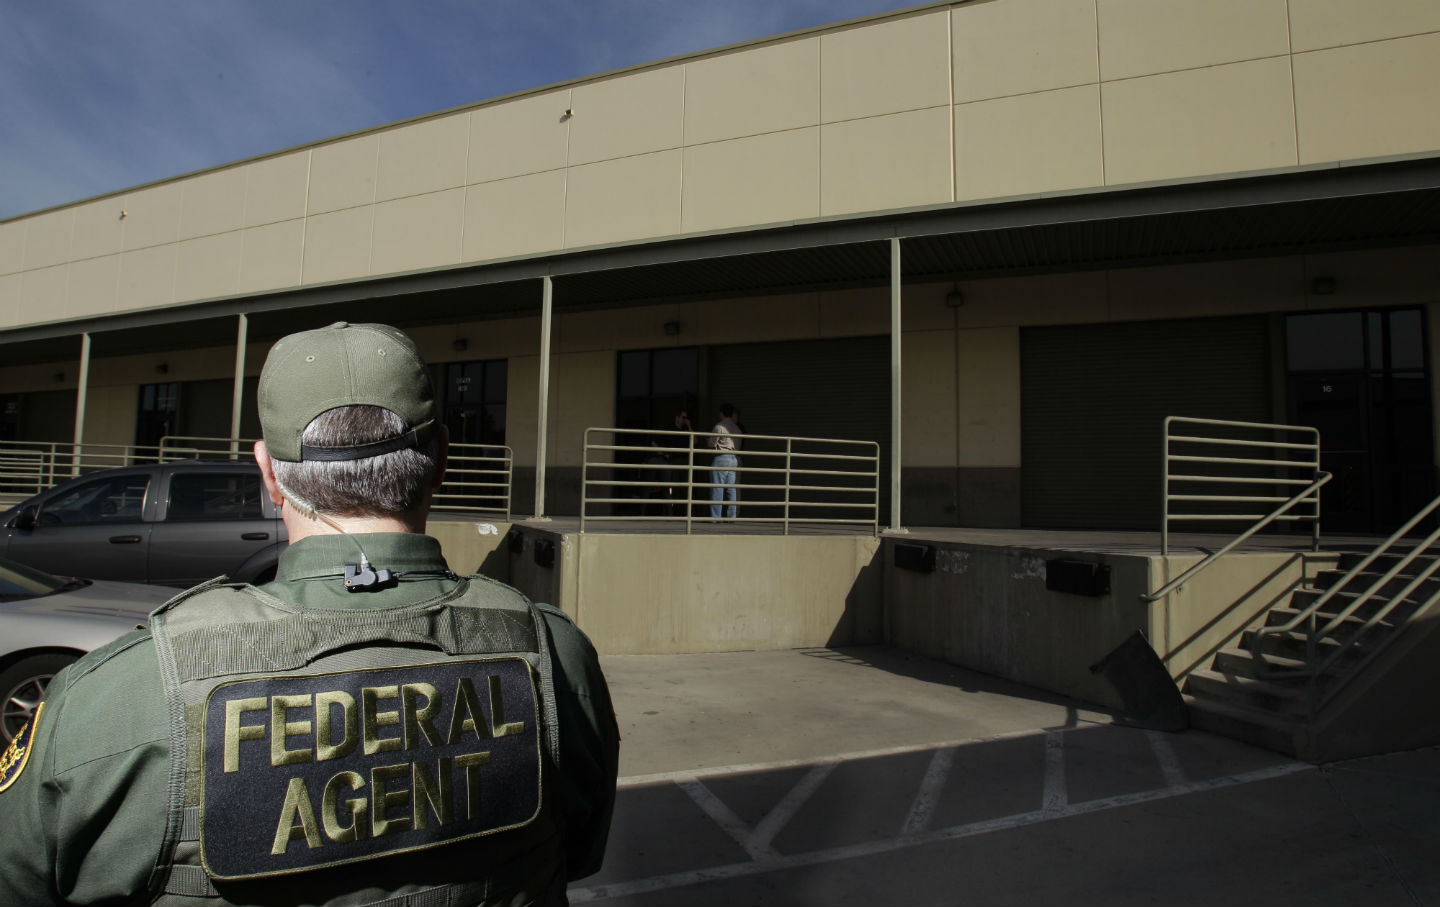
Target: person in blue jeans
{"type": "Point", "coordinates": [725, 441]}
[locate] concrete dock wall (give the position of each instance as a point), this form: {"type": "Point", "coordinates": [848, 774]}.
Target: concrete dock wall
{"type": "Point", "coordinates": [649, 594]}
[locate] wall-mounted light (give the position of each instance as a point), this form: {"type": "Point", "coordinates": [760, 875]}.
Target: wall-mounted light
{"type": "Point", "coordinates": [569, 112]}
{"type": "Point", "coordinates": [672, 329]}
{"type": "Point", "coordinates": [163, 368]}
{"type": "Point", "coordinates": [1323, 285]}
{"type": "Point", "coordinates": [460, 344]}
{"type": "Point", "coordinates": [124, 214]}
{"type": "Point", "coordinates": [955, 299]}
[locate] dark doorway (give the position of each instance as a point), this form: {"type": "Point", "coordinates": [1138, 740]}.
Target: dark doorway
{"type": "Point", "coordinates": [652, 387]}
{"type": "Point", "coordinates": [159, 412]}
{"type": "Point", "coordinates": [475, 395]}
{"type": "Point", "coordinates": [1361, 378]}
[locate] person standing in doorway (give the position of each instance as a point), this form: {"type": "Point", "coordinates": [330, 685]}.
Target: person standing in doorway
{"type": "Point", "coordinates": [725, 441]}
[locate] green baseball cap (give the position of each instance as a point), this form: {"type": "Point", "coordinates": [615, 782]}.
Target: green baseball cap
{"type": "Point", "coordinates": [345, 364]}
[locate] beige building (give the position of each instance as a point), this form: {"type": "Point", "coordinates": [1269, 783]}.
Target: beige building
{"type": "Point", "coordinates": [1103, 211]}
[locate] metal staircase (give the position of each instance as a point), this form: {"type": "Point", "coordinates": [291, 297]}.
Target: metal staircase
{"type": "Point", "coordinates": [1338, 628]}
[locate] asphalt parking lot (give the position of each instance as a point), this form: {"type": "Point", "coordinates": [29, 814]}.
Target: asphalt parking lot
{"type": "Point", "coordinates": [874, 775]}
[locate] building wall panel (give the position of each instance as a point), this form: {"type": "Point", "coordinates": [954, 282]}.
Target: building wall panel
{"type": "Point", "coordinates": [753, 319]}
{"type": "Point", "coordinates": [47, 238]}
{"type": "Point", "coordinates": [895, 161]}
{"type": "Point", "coordinates": [423, 157]}
{"type": "Point", "coordinates": [1316, 24]}
{"type": "Point", "coordinates": [337, 245]}
{"type": "Point", "coordinates": [147, 277]}
{"type": "Point", "coordinates": [212, 203]}
{"type": "Point", "coordinates": [10, 300]}
{"type": "Point", "coordinates": [270, 256]}
{"type": "Point", "coordinates": [628, 115]}
{"type": "Point", "coordinates": [927, 423]}
{"type": "Point", "coordinates": [526, 135]}
{"type": "Point", "coordinates": [421, 231]}
{"type": "Point", "coordinates": [1023, 46]}
{"type": "Point", "coordinates": [757, 180]}
{"type": "Point", "coordinates": [887, 67]}
{"type": "Point", "coordinates": [42, 293]}
{"type": "Point", "coordinates": [93, 287]}
{"type": "Point", "coordinates": [753, 91]}
{"type": "Point", "coordinates": [629, 198]}
{"type": "Point", "coordinates": [342, 175]}
{"type": "Point", "coordinates": [1008, 146]}
{"type": "Point", "coordinates": [1368, 100]}
{"type": "Point", "coordinates": [12, 246]}
{"type": "Point", "coordinates": [854, 313]}
{"type": "Point", "coordinates": [208, 267]}
{"type": "Point", "coordinates": [523, 215]}
{"type": "Point", "coordinates": [152, 216]}
{"type": "Point", "coordinates": [1223, 119]}
{"type": "Point", "coordinates": [276, 189]}
{"type": "Point", "coordinates": [987, 406]}
{"type": "Point", "coordinates": [98, 230]}
{"type": "Point", "coordinates": [1143, 37]}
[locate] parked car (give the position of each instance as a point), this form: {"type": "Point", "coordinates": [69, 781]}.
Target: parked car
{"type": "Point", "coordinates": [48, 621]}
{"type": "Point", "coordinates": [174, 524]}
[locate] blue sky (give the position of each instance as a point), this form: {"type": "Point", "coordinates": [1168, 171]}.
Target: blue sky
{"type": "Point", "coordinates": [100, 95]}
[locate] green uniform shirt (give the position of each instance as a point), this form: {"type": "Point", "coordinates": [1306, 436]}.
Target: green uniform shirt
{"type": "Point", "coordinates": [85, 818]}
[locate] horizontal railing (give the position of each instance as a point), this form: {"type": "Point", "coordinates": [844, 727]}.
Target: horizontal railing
{"type": "Point", "coordinates": [1215, 487]}
{"type": "Point", "coordinates": [634, 475]}
{"type": "Point", "coordinates": [478, 478]}
{"type": "Point", "coordinates": [1281, 457]}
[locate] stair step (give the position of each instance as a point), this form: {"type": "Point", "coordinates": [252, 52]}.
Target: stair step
{"type": "Point", "coordinates": [1273, 732]}
{"type": "Point", "coordinates": [1326, 579]}
{"type": "Point", "coordinates": [1241, 662]}
{"type": "Point", "coordinates": [1292, 644]}
{"type": "Point", "coordinates": [1303, 597]}
{"type": "Point", "coordinates": [1275, 697]}
{"type": "Point", "coordinates": [1350, 625]}
{"type": "Point", "coordinates": [1348, 559]}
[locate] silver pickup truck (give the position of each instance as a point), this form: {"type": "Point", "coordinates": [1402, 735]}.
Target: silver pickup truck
{"type": "Point", "coordinates": [174, 524]}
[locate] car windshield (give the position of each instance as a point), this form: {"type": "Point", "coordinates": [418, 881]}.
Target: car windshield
{"type": "Point", "coordinates": [19, 581]}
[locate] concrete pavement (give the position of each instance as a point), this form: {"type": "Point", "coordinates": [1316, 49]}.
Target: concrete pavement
{"type": "Point", "coordinates": [874, 775]}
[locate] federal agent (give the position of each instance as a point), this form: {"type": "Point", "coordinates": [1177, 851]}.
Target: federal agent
{"type": "Point", "coordinates": [368, 728]}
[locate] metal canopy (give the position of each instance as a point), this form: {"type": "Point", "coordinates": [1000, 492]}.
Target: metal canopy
{"type": "Point", "coordinates": [1387, 203]}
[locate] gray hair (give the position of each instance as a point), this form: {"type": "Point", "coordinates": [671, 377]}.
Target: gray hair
{"type": "Point", "coordinates": [390, 484]}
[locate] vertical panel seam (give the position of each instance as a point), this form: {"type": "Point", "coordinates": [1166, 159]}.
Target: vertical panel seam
{"type": "Point", "coordinates": [1290, 59]}
{"type": "Point", "coordinates": [1100, 100]}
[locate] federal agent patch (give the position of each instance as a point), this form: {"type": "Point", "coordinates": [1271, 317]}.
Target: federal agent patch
{"type": "Point", "coordinates": [309, 771]}
{"type": "Point", "coordinates": [17, 754]}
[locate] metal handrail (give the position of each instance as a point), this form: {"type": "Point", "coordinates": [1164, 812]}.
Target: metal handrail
{"type": "Point", "coordinates": [1310, 464]}
{"type": "Point", "coordinates": [836, 460]}
{"type": "Point", "coordinates": [1269, 518]}
{"type": "Point", "coordinates": [1310, 612]}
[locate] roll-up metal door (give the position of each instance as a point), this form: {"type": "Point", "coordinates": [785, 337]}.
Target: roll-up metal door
{"type": "Point", "coordinates": [1093, 403]}
{"type": "Point", "coordinates": [807, 388]}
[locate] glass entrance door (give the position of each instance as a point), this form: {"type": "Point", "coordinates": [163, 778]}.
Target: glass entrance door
{"type": "Point", "coordinates": [1361, 378]}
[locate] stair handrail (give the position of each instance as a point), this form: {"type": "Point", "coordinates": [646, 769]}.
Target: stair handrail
{"type": "Point", "coordinates": [1264, 521]}
{"type": "Point", "coordinates": [1315, 633]}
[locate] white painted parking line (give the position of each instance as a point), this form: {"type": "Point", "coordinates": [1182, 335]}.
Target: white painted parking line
{"type": "Point", "coordinates": [1056, 796]}
{"type": "Point", "coordinates": [870, 848]}
{"type": "Point", "coordinates": [790, 804]}
{"type": "Point", "coordinates": [1165, 755]}
{"type": "Point", "coordinates": [725, 817]}
{"type": "Point", "coordinates": [931, 785]}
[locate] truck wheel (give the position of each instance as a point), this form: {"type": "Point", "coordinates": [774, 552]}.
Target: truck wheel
{"type": "Point", "coordinates": [22, 686]}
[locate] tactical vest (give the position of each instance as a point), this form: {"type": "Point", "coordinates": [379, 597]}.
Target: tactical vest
{"type": "Point", "coordinates": [319, 750]}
